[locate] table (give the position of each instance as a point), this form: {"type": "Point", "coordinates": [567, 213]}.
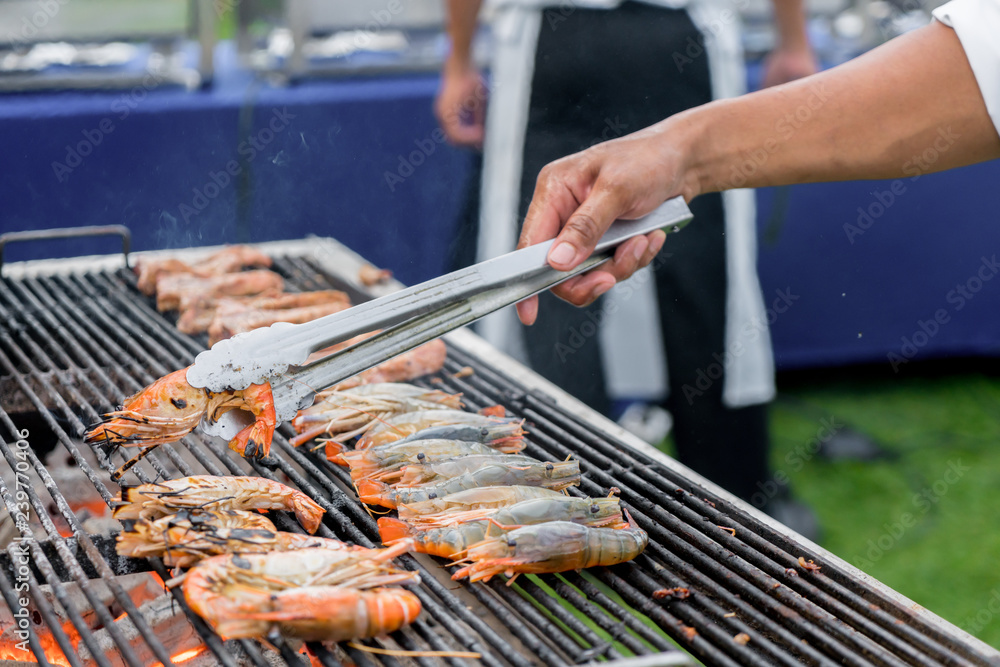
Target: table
{"type": "Point", "coordinates": [358, 159]}
{"type": "Point", "coordinates": [362, 160]}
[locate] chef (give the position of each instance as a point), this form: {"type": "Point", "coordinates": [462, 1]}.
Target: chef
{"type": "Point", "coordinates": [923, 102]}
{"type": "Point", "coordinates": [570, 74]}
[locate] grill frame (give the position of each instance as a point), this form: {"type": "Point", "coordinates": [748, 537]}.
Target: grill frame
{"type": "Point", "coordinates": [542, 402]}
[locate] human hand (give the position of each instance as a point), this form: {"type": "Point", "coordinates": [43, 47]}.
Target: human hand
{"type": "Point", "coordinates": [787, 64]}
{"type": "Point", "coordinates": [460, 104]}
{"type": "Point", "coordinates": [578, 197]}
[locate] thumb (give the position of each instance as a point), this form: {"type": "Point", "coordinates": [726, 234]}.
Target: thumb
{"type": "Point", "coordinates": [585, 228]}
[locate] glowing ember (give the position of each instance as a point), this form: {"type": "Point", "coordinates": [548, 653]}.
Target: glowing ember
{"type": "Point", "coordinates": [52, 651]}
{"type": "Point", "coordinates": [183, 656]}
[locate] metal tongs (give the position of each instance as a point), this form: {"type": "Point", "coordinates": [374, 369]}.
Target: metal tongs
{"type": "Point", "coordinates": [278, 354]}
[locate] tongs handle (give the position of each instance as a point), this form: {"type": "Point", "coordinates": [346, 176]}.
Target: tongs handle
{"type": "Point", "coordinates": [435, 307]}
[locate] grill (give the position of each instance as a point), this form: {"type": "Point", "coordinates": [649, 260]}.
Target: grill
{"type": "Point", "coordinates": [77, 337]}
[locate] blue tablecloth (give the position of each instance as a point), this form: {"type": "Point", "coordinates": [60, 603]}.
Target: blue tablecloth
{"type": "Point", "coordinates": [362, 160]}
{"type": "Point", "coordinates": [884, 277]}
{"type": "Point", "coordinates": [358, 159]}
{"type": "Point", "coordinates": [883, 271]}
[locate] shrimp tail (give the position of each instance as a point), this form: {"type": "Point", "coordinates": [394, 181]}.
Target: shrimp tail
{"type": "Point", "coordinates": [253, 442]}
{"type": "Point", "coordinates": [136, 541]}
{"type": "Point", "coordinates": [308, 512]}
{"type": "Point", "coordinates": [335, 452]}
{"type": "Point", "coordinates": [392, 530]}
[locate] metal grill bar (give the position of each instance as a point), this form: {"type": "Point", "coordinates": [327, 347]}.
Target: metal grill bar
{"type": "Point", "coordinates": [709, 547]}
{"type": "Point", "coordinates": [859, 612]}
{"type": "Point", "coordinates": [346, 526]}
{"type": "Point", "coordinates": [126, 603]}
{"type": "Point", "coordinates": [83, 341]}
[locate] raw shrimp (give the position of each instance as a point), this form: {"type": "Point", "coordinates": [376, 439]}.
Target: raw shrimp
{"type": "Point", "coordinates": [435, 472]}
{"type": "Point", "coordinates": [556, 546]}
{"type": "Point", "coordinates": [353, 411]}
{"type": "Point", "coordinates": [386, 463]}
{"type": "Point", "coordinates": [456, 537]}
{"type": "Point", "coordinates": [412, 424]}
{"type": "Point", "coordinates": [555, 476]}
{"type": "Point", "coordinates": [598, 512]}
{"type": "Point", "coordinates": [487, 497]}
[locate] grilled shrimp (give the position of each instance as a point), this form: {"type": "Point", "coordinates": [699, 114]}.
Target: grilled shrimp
{"type": "Point", "coordinates": [487, 497]}
{"type": "Point", "coordinates": [557, 546]}
{"type": "Point", "coordinates": [254, 441]}
{"type": "Point", "coordinates": [152, 501]}
{"type": "Point", "coordinates": [410, 424]}
{"type": "Point", "coordinates": [555, 476]}
{"type": "Point", "coordinates": [187, 537]}
{"type": "Point", "coordinates": [170, 408]}
{"type": "Point", "coordinates": [457, 537]}
{"type": "Point", "coordinates": [163, 412]}
{"type": "Point", "coordinates": [314, 595]}
{"type": "Point", "coordinates": [435, 472]}
{"type": "Point", "coordinates": [353, 411]}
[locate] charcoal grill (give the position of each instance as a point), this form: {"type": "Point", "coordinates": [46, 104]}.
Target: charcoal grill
{"type": "Point", "coordinates": [76, 337]}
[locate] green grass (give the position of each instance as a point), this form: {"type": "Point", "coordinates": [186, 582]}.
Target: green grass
{"type": "Point", "coordinates": [946, 557]}
{"type": "Point", "coordinates": [586, 619]}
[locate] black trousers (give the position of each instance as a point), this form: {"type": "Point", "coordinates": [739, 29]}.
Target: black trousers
{"type": "Point", "coordinates": [600, 74]}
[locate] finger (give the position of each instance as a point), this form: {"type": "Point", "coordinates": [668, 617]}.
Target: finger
{"type": "Point", "coordinates": [585, 289]}
{"type": "Point", "coordinates": [467, 135]}
{"type": "Point", "coordinates": [527, 311]}
{"type": "Point", "coordinates": [460, 133]}
{"type": "Point", "coordinates": [585, 228]}
{"type": "Point", "coordinates": [629, 258]}
{"type": "Point", "coordinates": [656, 240]}
{"type": "Point", "coordinates": [552, 203]}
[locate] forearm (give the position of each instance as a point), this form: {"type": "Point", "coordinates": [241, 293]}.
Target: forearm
{"type": "Point", "coordinates": [790, 25]}
{"type": "Point", "coordinates": [882, 115]}
{"type": "Point", "coordinates": [462, 16]}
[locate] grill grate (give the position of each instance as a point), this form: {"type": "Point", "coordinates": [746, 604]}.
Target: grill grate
{"type": "Point", "coordinates": [75, 344]}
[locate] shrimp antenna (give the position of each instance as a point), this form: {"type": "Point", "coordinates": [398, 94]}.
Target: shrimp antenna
{"type": "Point", "coordinates": [125, 467]}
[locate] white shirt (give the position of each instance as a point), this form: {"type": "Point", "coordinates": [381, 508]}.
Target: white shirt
{"type": "Point", "coordinates": [977, 24]}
